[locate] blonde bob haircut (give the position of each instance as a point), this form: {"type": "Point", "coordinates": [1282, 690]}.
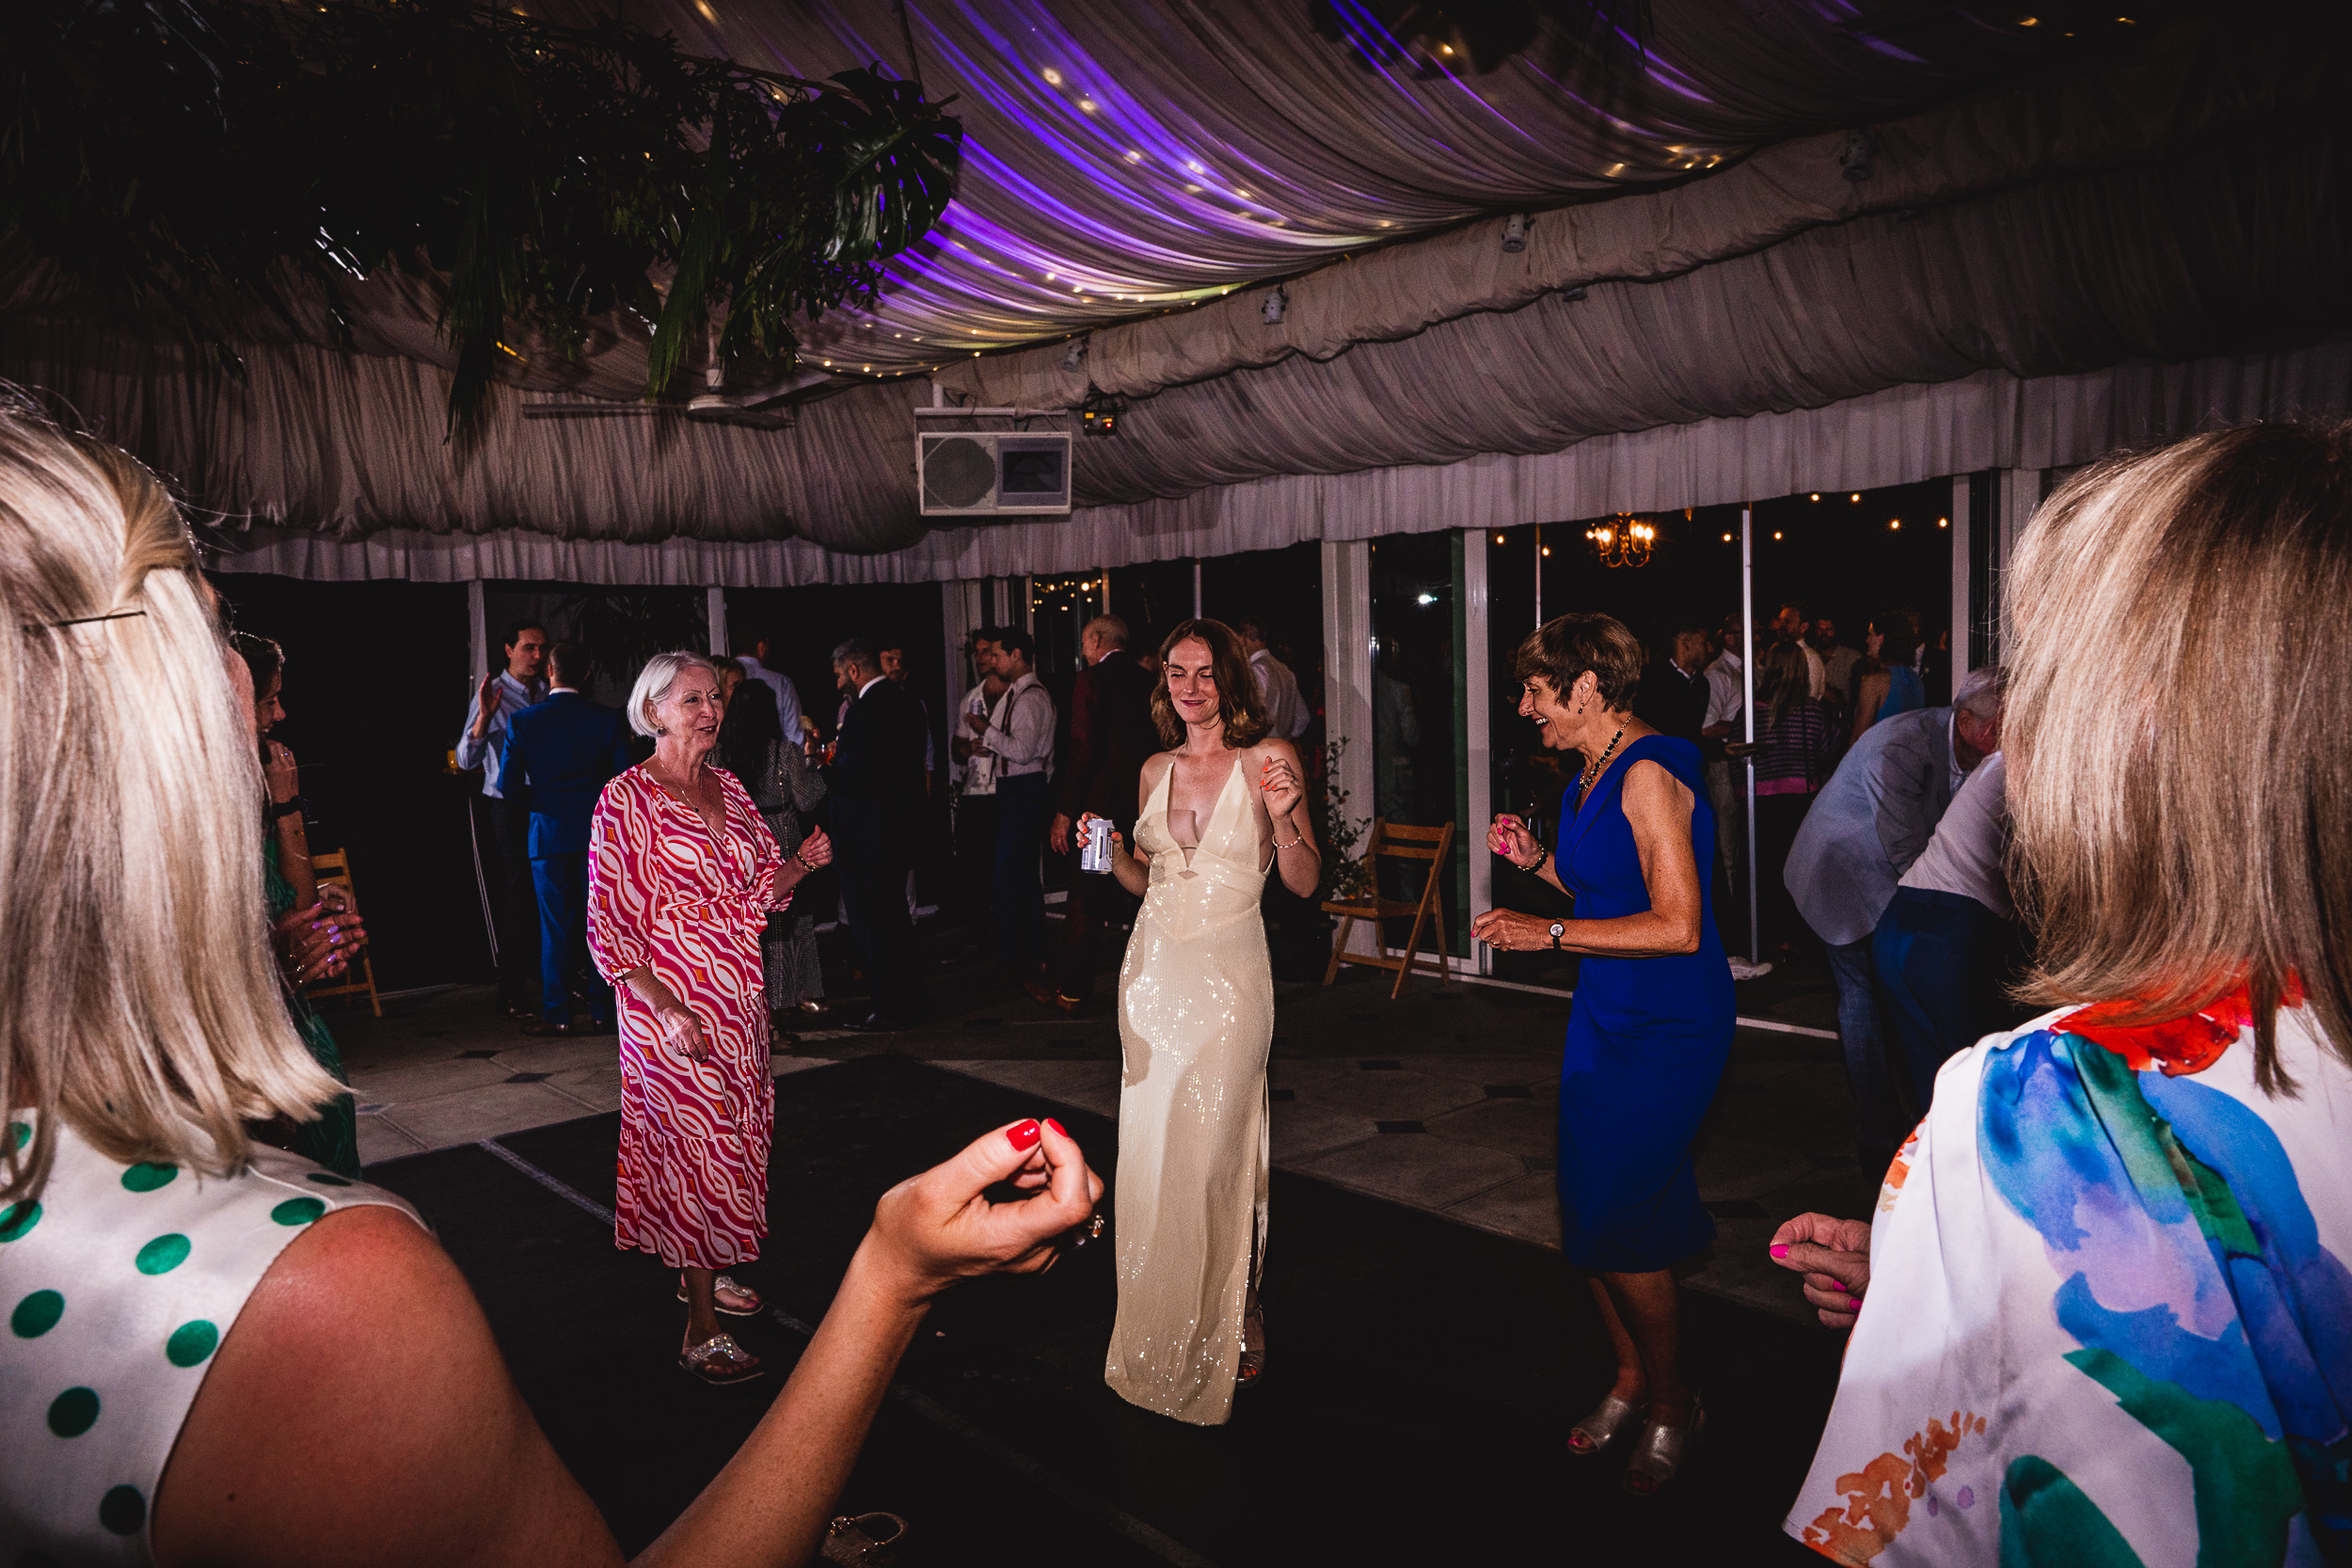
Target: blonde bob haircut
{"type": "Point", "coordinates": [140, 1004]}
{"type": "Point", "coordinates": [1238, 701]}
{"type": "Point", "coordinates": [2176, 724]}
{"type": "Point", "coordinates": [653, 682]}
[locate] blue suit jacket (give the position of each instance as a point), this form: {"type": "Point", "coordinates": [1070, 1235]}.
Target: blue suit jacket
{"type": "Point", "coordinates": [568, 748]}
{"type": "Point", "coordinates": [1870, 822]}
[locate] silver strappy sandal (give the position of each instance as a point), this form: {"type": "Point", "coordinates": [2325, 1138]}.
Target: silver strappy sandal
{"type": "Point", "coordinates": [1604, 1426]}
{"type": "Point", "coordinates": [1662, 1452]}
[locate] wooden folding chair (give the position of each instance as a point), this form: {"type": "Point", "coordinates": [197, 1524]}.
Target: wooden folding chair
{"type": "Point", "coordinates": [334, 865]}
{"type": "Point", "coordinates": [1398, 842]}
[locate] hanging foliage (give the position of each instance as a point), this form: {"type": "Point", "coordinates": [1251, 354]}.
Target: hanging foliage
{"type": "Point", "coordinates": [193, 156]}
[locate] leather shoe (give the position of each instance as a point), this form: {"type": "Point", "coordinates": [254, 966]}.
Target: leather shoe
{"type": "Point", "coordinates": [1044, 995]}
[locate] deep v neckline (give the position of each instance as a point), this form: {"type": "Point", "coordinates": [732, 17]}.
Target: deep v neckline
{"type": "Point", "coordinates": [1582, 818]}
{"type": "Point", "coordinates": [722, 839]}
{"type": "Point", "coordinates": [1216, 809]}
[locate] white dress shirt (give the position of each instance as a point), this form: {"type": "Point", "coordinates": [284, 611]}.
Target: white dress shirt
{"type": "Point", "coordinates": [1964, 856]}
{"type": "Point", "coordinates": [1726, 696]}
{"type": "Point", "coordinates": [1021, 732]}
{"type": "Point", "coordinates": [487, 751]}
{"type": "Point", "coordinates": [787, 695]}
{"type": "Point", "coordinates": [1286, 712]}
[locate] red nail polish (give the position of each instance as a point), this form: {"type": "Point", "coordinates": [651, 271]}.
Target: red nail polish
{"type": "Point", "coordinates": [1781, 1251]}
{"type": "Point", "coordinates": [1023, 1135]}
{"type": "Point", "coordinates": [1059, 1129]}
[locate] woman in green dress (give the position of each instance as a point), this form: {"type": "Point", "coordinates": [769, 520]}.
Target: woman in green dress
{"type": "Point", "coordinates": [316, 928]}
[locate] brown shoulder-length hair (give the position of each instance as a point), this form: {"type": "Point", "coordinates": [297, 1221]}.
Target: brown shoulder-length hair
{"type": "Point", "coordinates": [1561, 649]}
{"type": "Point", "coordinates": [2183, 803]}
{"type": "Point", "coordinates": [1237, 700]}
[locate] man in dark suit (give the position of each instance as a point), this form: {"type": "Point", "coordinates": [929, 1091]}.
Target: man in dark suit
{"type": "Point", "coordinates": [1671, 697]}
{"type": "Point", "coordinates": [876, 782]}
{"type": "Point", "coordinates": [566, 748]}
{"type": "Point", "coordinates": [1111, 733]}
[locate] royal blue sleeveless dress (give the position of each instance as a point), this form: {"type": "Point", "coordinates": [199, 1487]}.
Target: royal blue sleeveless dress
{"type": "Point", "coordinates": [1647, 1042]}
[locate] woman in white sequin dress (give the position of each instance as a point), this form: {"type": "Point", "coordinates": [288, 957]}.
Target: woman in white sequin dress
{"type": "Point", "coordinates": [1221, 808]}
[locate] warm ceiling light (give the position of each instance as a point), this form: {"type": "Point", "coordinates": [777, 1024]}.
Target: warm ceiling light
{"type": "Point", "coordinates": [1776, 534]}
{"type": "Point", "coordinates": [1726, 538]}
{"type": "Point", "coordinates": [1943, 522]}
{"type": "Point", "coordinates": [1445, 48]}
{"type": "Point", "coordinates": [1855, 497]}
{"type": "Point", "coordinates": [1498, 538]}
{"type": "Point", "coordinates": [1894, 522]}
{"type": "Point", "coordinates": [1086, 103]}
{"type": "Point", "coordinates": [1817, 494]}
{"type": "Point", "coordinates": [1547, 549]}
{"type": "Point", "coordinates": [2029, 20]}
{"type": "Point", "coordinates": [1053, 77]}
{"type": "Point", "coordinates": [704, 6]}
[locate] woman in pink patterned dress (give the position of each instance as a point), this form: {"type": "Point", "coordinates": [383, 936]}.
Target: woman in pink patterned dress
{"type": "Point", "coordinates": [682, 875]}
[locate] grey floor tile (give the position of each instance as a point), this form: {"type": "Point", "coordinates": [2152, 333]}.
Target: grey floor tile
{"type": "Point", "coordinates": [1730, 1167]}
{"type": "Point", "coordinates": [1527, 1209]}
{"type": "Point", "coordinates": [470, 1116]}
{"type": "Point", "coordinates": [1302, 1130]}
{"type": "Point", "coordinates": [427, 1080]}
{"type": "Point", "coordinates": [1290, 1072]}
{"type": "Point", "coordinates": [596, 1089]}
{"type": "Point", "coordinates": [559, 1055]}
{"type": "Point", "coordinates": [782, 1063]}
{"type": "Point", "coordinates": [1416, 1169]}
{"type": "Point", "coordinates": [380, 1139]}
{"type": "Point", "coordinates": [1389, 1096]}
{"type": "Point", "coordinates": [1529, 1128]}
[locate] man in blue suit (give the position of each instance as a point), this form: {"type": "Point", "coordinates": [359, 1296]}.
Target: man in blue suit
{"type": "Point", "coordinates": [568, 748]}
{"type": "Point", "coordinates": [1864, 829]}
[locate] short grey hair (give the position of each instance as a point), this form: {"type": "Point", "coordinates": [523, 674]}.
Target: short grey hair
{"type": "Point", "coordinates": [1981, 692]}
{"type": "Point", "coordinates": [857, 650]}
{"type": "Point", "coordinates": [653, 686]}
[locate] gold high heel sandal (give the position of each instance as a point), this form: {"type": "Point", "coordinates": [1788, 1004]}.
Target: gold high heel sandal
{"type": "Point", "coordinates": [1604, 1426]}
{"type": "Point", "coordinates": [1661, 1453]}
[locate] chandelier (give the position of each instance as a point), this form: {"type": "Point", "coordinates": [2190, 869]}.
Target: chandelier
{"type": "Point", "coordinates": [1625, 540]}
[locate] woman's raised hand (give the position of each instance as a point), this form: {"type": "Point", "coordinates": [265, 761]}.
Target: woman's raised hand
{"type": "Point", "coordinates": [283, 778]}
{"type": "Point", "coordinates": [1834, 1255]}
{"type": "Point", "coordinates": [935, 1229]}
{"type": "Point", "coordinates": [682, 1032]}
{"type": "Point", "coordinates": [1279, 781]}
{"type": "Point", "coordinates": [1511, 838]}
{"type": "Point", "coordinates": [815, 849]}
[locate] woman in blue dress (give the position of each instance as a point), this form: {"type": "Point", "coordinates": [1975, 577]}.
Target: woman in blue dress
{"type": "Point", "coordinates": [1650, 1025]}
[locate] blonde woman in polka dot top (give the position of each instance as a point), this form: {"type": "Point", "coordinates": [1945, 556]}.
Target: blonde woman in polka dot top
{"type": "Point", "coordinates": [216, 1352]}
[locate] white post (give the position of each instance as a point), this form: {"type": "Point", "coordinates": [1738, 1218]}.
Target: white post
{"type": "Point", "coordinates": [1747, 705]}
{"type": "Point", "coordinates": [1478, 744]}
{"type": "Point", "coordinates": [1106, 589]}
{"type": "Point", "coordinates": [1196, 588]}
{"type": "Point", "coordinates": [1029, 606]}
{"type": "Point", "coordinates": [715, 608]}
{"type": "Point", "coordinates": [478, 619]}
{"type": "Point", "coordinates": [1539, 574]}
{"type": "Point", "coordinates": [1963, 608]}
{"type": "Point", "coordinates": [1347, 667]}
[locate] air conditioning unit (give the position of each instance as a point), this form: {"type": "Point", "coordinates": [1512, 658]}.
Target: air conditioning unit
{"type": "Point", "coordinates": [992, 474]}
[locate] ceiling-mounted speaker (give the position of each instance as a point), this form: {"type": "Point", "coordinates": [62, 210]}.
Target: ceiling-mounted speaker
{"type": "Point", "coordinates": [990, 474]}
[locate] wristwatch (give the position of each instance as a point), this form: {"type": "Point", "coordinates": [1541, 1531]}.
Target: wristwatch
{"type": "Point", "coordinates": [285, 808]}
{"type": "Point", "coordinates": [1559, 929]}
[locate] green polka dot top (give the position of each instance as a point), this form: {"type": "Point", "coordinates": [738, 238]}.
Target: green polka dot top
{"type": "Point", "coordinates": [118, 1282]}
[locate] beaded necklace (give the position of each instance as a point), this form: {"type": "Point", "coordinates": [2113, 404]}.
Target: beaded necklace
{"type": "Point", "coordinates": [1593, 772]}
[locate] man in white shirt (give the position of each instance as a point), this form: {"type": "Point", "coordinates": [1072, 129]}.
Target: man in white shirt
{"type": "Point", "coordinates": [1726, 703]}
{"type": "Point", "coordinates": [974, 797]}
{"type": "Point", "coordinates": [1286, 712]}
{"type": "Point", "coordinates": [1943, 946]}
{"type": "Point", "coordinates": [787, 695]}
{"type": "Point", "coordinates": [1018, 733]}
{"type": "Point", "coordinates": [503, 816]}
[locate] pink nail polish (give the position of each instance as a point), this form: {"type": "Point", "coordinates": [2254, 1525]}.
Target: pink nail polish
{"type": "Point", "coordinates": [1854, 1303]}
{"type": "Point", "coordinates": [1781, 1251]}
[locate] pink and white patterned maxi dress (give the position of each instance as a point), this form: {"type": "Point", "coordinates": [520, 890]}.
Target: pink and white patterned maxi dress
{"type": "Point", "coordinates": [693, 1183]}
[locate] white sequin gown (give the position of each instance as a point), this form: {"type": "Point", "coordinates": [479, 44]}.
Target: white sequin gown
{"type": "Point", "coordinates": [1196, 1019]}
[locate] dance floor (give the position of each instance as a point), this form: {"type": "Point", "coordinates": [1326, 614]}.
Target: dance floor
{"type": "Point", "coordinates": [1422, 1376]}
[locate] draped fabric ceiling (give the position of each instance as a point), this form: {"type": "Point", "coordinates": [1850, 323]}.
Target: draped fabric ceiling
{"type": "Point", "coordinates": [1698, 257]}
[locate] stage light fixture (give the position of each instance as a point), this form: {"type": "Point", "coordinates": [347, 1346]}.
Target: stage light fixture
{"type": "Point", "coordinates": [1514, 232]}
{"type": "Point", "coordinates": [1275, 302]}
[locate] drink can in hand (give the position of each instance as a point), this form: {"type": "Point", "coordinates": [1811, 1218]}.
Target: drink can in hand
{"type": "Point", "coordinates": [1094, 854]}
